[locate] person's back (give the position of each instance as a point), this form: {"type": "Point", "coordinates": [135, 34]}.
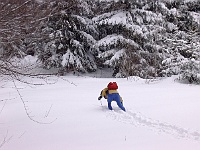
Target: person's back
{"type": "Point", "coordinates": [111, 94]}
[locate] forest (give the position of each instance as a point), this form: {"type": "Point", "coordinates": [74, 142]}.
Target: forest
{"type": "Point", "coordinates": [142, 38]}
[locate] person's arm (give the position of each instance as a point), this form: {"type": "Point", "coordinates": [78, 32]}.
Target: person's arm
{"type": "Point", "coordinates": [103, 93]}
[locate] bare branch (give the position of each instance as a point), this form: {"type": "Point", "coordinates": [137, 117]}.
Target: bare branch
{"type": "Point", "coordinates": [47, 113]}
{"type": "Point", "coordinates": [3, 106]}
{"type": "Point", "coordinates": [26, 108]}
{"type": "Point", "coordinates": [5, 140]}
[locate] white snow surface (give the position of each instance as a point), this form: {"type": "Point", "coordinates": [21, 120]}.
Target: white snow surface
{"type": "Point", "coordinates": [162, 114]}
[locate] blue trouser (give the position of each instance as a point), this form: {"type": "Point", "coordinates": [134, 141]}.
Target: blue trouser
{"type": "Point", "coordinates": [115, 97]}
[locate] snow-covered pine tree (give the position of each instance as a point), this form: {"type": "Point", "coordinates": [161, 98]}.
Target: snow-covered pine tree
{"type": "Point", "coordinates": [184, 42]}
{"type": "Point", "coordinates": [71, 38]}
{"type": "Point", "coordinates": [126, 35]}
{"type": "Point", "coordinates": [190, 71]}
{"type": "Point", "coordinates": [134, 37]}
{"type": "Point", "coordinates": [20, 24]}
{"type": "Point", "coordinates": [146, 38]}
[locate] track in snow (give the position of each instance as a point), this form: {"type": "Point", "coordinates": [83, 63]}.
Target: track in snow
{"type": "Point", "coordinates": [137, 119]}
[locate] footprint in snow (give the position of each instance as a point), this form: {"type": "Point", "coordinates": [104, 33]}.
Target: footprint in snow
{"type": "Point", "coordinates": [137, 119]}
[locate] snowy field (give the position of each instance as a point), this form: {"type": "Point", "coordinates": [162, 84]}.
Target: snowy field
{"type": "Point", "coordinates": [161, 115]}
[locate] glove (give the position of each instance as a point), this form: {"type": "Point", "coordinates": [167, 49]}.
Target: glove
{"type": "Point", "coordinates": [99, 98]}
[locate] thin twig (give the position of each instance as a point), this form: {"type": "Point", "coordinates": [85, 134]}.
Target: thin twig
{"type": "Point", "coordinates": [22, 134]}
{"type": "Point", "coordinates": [5, 140]}
{"type": "Point", "coordinates": [3, 107]}
{"type": "Point", "coordinates": [47, 114]}
{"type": "Point", "coordinates": [2, 100]}
{"type": "Point", "coordinates": [68, 81]}
{"type": "Point", "coordinates": [26, 108]}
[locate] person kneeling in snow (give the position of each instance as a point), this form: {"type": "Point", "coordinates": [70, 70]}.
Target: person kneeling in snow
{"type": "Point", "coordinates": [111, 94]}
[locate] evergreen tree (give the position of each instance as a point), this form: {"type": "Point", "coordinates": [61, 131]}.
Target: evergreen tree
{"type": "Point", "coordinates": [129, 37]}
{"type": "Point", "coordinates": [71, 39]}
{"type": "Point", "coordinates": [134, 37]}
{"type": "Point", "coordinates": [20, 24]}
{"type": "Point", "coordinates": [163, 33]}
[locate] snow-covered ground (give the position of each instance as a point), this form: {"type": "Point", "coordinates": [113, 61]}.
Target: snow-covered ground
{"type": "Point", "coordinates": [161, 115]}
